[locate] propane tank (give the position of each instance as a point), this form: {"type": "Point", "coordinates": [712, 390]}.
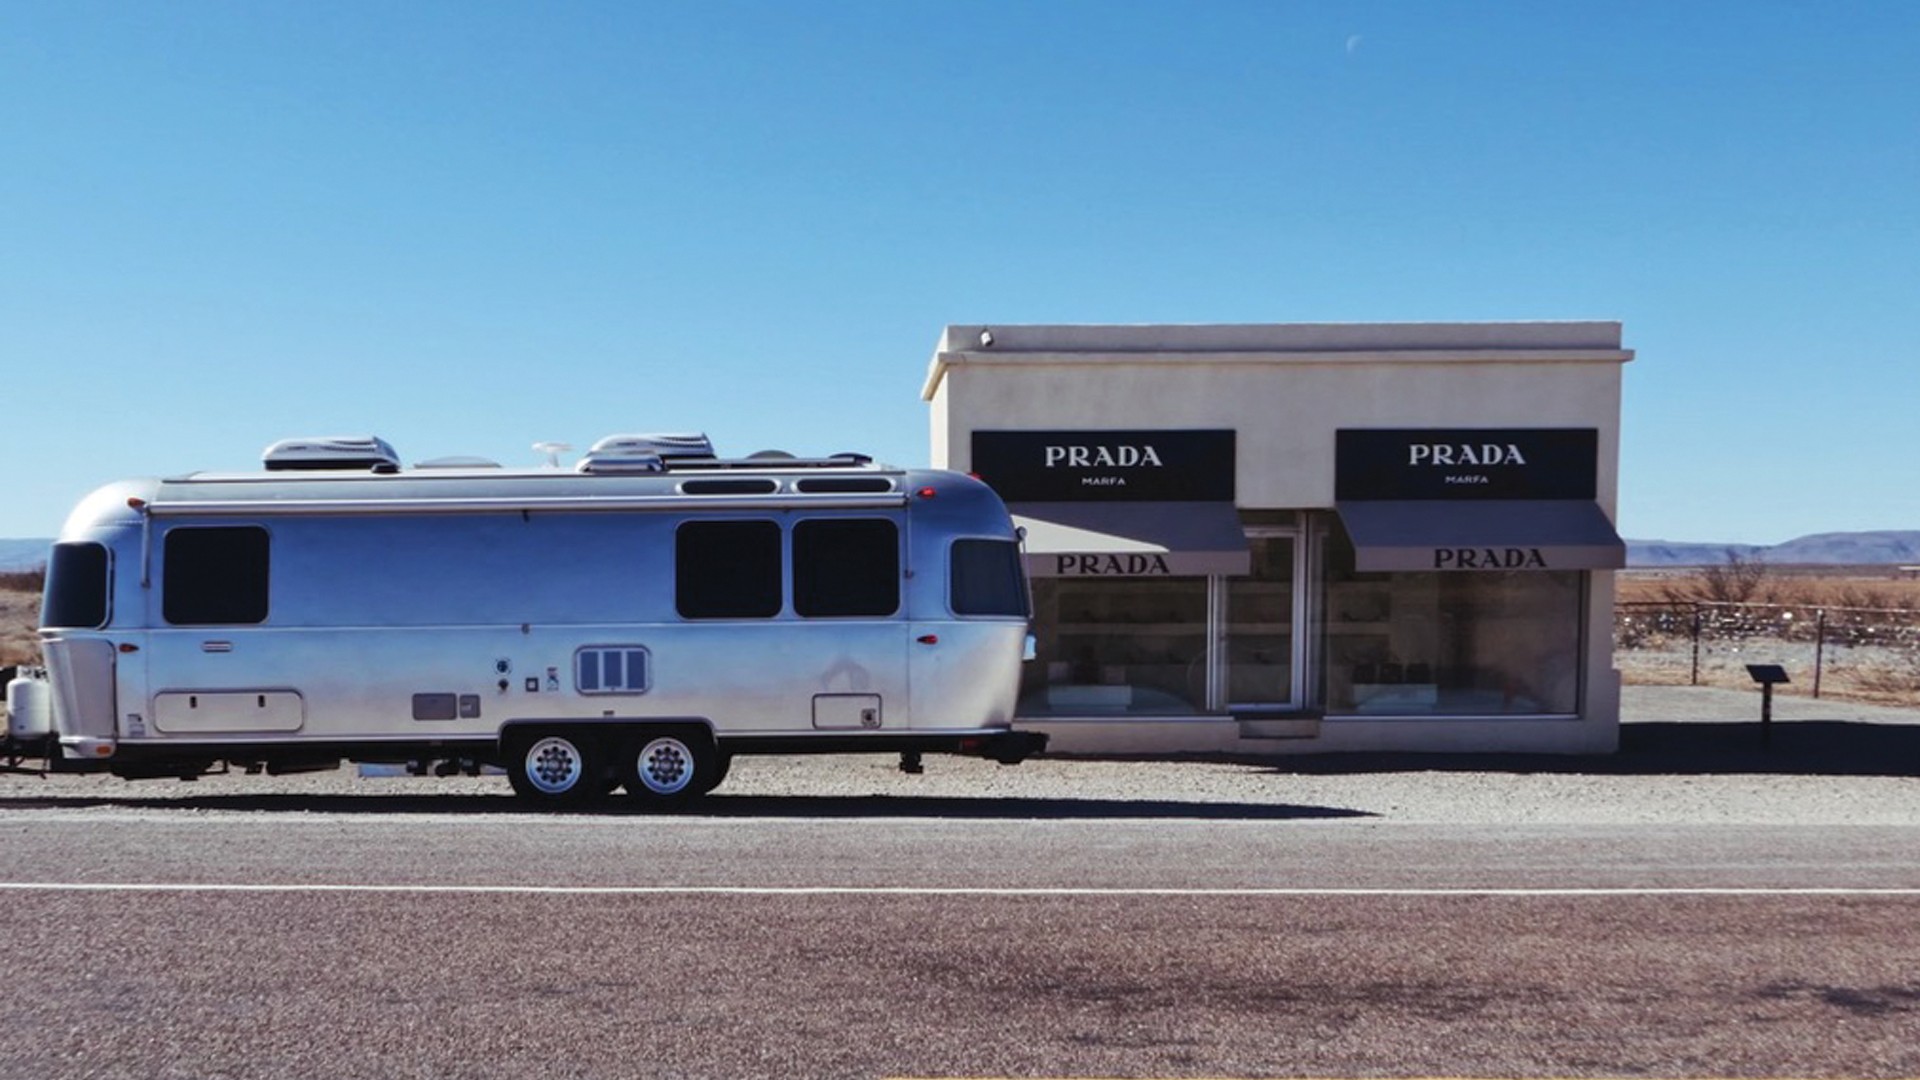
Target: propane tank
{"type": "Point", "coordinates": [29, 708]}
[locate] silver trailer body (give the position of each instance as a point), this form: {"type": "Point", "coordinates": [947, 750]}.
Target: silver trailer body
{"type": "Point", "coordinates": [313, 613]}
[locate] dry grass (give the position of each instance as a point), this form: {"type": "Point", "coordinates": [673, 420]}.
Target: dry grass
{"type": "Point", "coordinates": [1856, 630]}
{"type": "Point", "coordinates": [19, 614]}
{"type": "Point", "coordinates": [1806, 587]}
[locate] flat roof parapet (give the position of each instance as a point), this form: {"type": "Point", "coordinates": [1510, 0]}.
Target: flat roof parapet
{"type": "Point", "coordinates": [1278, 343]}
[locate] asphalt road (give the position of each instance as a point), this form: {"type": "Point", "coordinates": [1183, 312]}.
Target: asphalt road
{"type": "Point", "coordinates": [254, 931]}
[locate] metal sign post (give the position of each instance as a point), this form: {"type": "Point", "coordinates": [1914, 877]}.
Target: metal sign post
{"type": "Point", "coordinates": [1768, 676]}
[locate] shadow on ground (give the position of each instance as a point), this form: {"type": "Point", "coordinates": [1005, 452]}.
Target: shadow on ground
{"type": "Point", "coordinates": [716, 805]}
{"type": "Point", "coordinates": [1797, 748]}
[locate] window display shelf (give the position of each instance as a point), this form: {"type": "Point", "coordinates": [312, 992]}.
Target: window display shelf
{"type": "Point", "coordinates": [1132, 629]}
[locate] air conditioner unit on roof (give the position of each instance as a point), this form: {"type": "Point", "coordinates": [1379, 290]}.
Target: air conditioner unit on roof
{"type": "Point", "coordinates": [670, 447]}
{"type": "Point", "coordinates": [644, 453]}
{"type": "Point", "coordinates": [331, 452]}
{"type": "Point", "coordinates": [598, 462]}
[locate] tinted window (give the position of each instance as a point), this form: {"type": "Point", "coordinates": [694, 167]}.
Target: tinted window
{"type": "Point", "coordinates": [727, 569]}
{"type": "Point", "coordinates": [849, 567]}
{"type": "Point", "coordinates": [843, 485]}
{"type": "Point", "coordinates": [76, 587]}
{"type": "Point", "coordinates": [215, 576]}
{"type": "Point", "coordinates": [987, 578]}
{"type": "Point", "coordinates": [729, 487]}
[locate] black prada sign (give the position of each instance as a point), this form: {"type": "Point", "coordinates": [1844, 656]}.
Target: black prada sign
{"type": "Point", "coordinates": [1131, 466]}
{"type": "Point", "coordinates": [1128, 565]}
{"type": "Point", "coordinates": [1466, 463]}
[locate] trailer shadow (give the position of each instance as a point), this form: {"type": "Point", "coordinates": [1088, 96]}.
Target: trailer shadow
{"type": "Point", "coordinates": [718, 806]}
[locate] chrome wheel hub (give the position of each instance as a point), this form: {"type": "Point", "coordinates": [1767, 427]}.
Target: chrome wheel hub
{"type": "Point", "coordinates": [666, 766]}
{"type": "Point", "coordinates": [554, 765]}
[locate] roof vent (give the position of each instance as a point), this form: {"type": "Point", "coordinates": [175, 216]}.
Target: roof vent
{"type": "Point", "coordinates": [687, 445]}
{"type": "Point", "coordinates": [644, 453]}
{"type": "Point", "coordinates": [458, 461]}
{"type": "Point", "coordinates": [606, 462]}
{"type": "Point", "coordinates": [332, 452]}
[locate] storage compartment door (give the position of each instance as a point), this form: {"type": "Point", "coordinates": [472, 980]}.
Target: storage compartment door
{"type": "Point", "coordinates": [847, 712]}
{"type": "Point", "coordinates": [178, 711]}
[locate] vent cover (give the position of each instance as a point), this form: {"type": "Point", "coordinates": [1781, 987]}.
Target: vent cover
{"type": "Point", "coordinates": [644, 453]}
{"type": "Point", "coordinates": [668, 447]}
{"type": "Point", "coordinates": [331, 452]}
{"type": "Point", "coordinates": [458, 461]}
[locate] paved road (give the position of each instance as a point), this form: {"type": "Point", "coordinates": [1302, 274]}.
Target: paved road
{"type": "Point", "coordinates": [787, 935]}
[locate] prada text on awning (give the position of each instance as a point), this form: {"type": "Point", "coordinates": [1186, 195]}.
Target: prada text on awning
{"type": "Point", "coordinates": [1483, 534]}
{"type": "Point", "coordinates": [1132, 539]}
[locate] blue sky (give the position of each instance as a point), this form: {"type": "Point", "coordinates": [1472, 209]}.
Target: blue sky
{"type": "Point", "coordinates": [470, 226]}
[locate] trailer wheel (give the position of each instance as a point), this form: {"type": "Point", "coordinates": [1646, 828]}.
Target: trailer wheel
{"type": "Point", "coordinates": [722, 762]}
{"type": "Point", "coordinates": [556, 768]}
{"type": "Point", "coordinates": [671, 766]}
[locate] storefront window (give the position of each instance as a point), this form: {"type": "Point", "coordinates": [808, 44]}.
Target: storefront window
{"type": "Point", "coordinates": [1466, 643]}
{"type": "Point", "coordinates": [1117, 647]}
{"type": "Point", "coordinates": [1260, 626]}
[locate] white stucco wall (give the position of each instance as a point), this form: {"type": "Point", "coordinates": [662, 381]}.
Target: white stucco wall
{"type": "Point", "coordinates": [1287, 399]}
{"type": "Point", "coordinates": [1286, 389]}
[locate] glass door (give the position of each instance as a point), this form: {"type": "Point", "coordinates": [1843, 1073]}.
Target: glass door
{"type": "Point", "coordinates": [1262, 668]}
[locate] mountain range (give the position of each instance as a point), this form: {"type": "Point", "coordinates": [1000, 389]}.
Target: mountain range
{"type": "Point", "coordinates": [1839, 549]}
{"type": "Point", "coordinates": [18, 555]}
{"type": "Point", "coordinates": [1835, 549]}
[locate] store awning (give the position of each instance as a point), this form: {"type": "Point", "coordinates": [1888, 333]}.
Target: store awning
{"type": "Point", "coordinates": [1132, 539]}
{"type": "Point", "coordinates": [1491, 534]}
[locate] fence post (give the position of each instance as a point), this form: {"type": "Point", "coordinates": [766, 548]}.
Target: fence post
{"type": "Point", "coordinates": [1696, 646]}
{"type": "Point", "coordinates": [1819, 648]}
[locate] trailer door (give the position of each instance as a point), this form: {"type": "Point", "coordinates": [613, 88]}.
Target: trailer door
{"type": "Point", "coordinates": [829, 653]}
{"type": "Point", "coordinates": [966, 667]}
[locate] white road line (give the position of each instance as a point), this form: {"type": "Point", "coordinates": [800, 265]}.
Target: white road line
{"type": "Point", "coordinates": [922, 890]}
{"type": "Point", "coordinates": [186, 816]}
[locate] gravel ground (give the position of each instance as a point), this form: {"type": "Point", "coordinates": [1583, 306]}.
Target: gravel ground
{"type": "Point", "coordinates": [1658, 704]}
{"type": "Point", "coordinates": [1688, 756]}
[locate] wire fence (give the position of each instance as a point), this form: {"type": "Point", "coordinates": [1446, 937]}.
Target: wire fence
{"type": "Point", "coordinates": [1864, 654]}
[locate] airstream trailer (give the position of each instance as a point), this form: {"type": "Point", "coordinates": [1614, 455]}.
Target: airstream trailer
{"type": "Point", "coordinates": [636, 621]}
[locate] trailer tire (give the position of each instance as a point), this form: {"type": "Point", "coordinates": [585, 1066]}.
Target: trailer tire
{"type": "Point", "coordinates": [722, 762]}
{"type": "Point", "coordinates": [670, 766]}
{"type": "Point", "coordinates": [556, 768]}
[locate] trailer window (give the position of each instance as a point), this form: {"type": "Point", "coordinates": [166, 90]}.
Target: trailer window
{"type": "Point", "coordinates": [843, 485]}
{"type": "Point", "coordinates": [610, 669]}
{"type": "Point", "coordinates": [77, 586]}
{"type": "Point", "coordinates": [215, 576]}
{"type": "Point", "coordinates": [727, 570]}
{"type": "Point", "coordinates": [987, 578]}
{"type": "Point", "coordinates": [846, 567]}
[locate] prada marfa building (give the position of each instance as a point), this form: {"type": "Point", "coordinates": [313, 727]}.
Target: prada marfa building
{"type": "Point", "coordinates": [1287, 538]}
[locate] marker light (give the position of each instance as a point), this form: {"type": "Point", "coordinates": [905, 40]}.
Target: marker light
{"type": "Point", "coordinates": [927, 493]}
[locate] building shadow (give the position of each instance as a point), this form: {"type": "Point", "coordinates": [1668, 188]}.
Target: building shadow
{"type": "Point", "coordinates": [1692, 748]}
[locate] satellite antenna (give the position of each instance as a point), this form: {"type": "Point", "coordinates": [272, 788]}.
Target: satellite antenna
{"type": "Point", "coordinates": [553, 450]}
